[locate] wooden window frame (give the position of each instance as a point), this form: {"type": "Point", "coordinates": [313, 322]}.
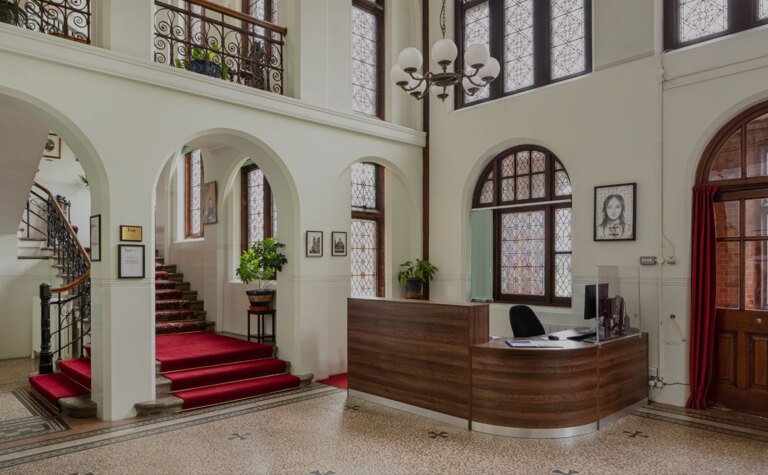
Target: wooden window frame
{"type": "Point", "coordinates": [742, 15]}
{"type": "Point", "coordinates": [188, 198]}
{"type": "Point", "coordinates": [377, 215]}
{"type": "Point", "coordinates": [542, 46]}
{"type": "Point", "coordinates": [549, 204]}
{"type": "Point", "coordinates": [245, 4]}
{"type": "Point", "coordinates": [377, 9]}
{"type": "Point", "coordinates": [244, 215]}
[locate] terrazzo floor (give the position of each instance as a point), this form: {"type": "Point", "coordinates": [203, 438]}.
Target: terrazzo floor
{"type": "Point", "coordinates": [322, 431]}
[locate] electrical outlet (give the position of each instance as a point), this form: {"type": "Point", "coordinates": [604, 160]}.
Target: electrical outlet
{"type": "Point", "coordinates": [648, 260]}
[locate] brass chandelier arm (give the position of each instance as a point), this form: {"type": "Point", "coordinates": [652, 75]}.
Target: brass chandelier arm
{"type": "Point", "coordinates": [456, 79]}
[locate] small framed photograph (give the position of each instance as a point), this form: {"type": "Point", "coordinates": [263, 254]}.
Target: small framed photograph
{"type": "Point", "coordinates": [96, 238]}
{"type": "Point", "coordinates": [208, 200]}
{"type": "Point", "coordinates": [314, 244]}
{"type": "Point", "coordinates": [52, 147]}
{"type": "Point", "coordinates": [615, 213]}
{"type": "Point", "coordinates": [339, 243]}
{"type": "Point", "coordinates": [130, 262]}
{"type": "Point", "coordinates": [130, 233]}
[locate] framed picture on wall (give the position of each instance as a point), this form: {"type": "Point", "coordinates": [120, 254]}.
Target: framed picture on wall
{"type": "Point", "coordinates": [96, 238]}
{"type": "Point", "coordinates": [130, 262]}
{"type": "Point", "coordinates": [615, 212]}
{"type": "Point", "coordinates": [338, 243]}
{"type": "Point", "coordinates": [131, 233]}
{"type": "Point", "coordinates": [210, 205]}
{"type": "Point", "coordinates": [314, 244]}
{"type": "Point", "coordinates": [52, 148]}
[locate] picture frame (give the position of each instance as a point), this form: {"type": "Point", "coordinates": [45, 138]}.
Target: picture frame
{"type": "Point", "coordinates": [130, 261]}
{"type": "Point", "coordinates": [314, 244]}
{"type": "Point", "coordinates": [615, 215]}
{"type": "Point", "coordinates": [131, 233]}
{"type": "Point", "coordinates": [338, 243]}
{"type": "Point", "coordinates": [209, 203]}
{"type": "Point", "coordinates": [95, 225]}
{"type": "Point", "coordinates": [52, 147]}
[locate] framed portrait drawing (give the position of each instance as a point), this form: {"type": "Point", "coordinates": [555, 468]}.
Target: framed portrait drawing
{"type": "Point", "coordinates": [209, 203]}
{"type": "Point", "coordinates": [314, 244]}
{"type": "Point", "coordinates": [52, 147]}
{"type": "Point", "coordinates": [96, 238]}
{"type": "Point", "coordinates": [615, 212]}
{"type": "Point", "coordinates": [130, 263]}
{"type": "Point", "coordinates": [338, 243]}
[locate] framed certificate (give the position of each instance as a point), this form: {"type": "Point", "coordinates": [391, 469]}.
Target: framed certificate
{"type": "Point", "coordinates": [96, 238]}
{"type": "Point", "coordinates": [130, 262]}
{"type": "Point", "coordinates": [130, 233]}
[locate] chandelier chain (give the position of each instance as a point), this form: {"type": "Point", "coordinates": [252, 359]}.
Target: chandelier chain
{"type": "Point", "coordinates": [442, 19]}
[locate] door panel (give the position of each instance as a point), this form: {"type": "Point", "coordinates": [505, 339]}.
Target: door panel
{"type": "Point", "coordinates": [759, 358]}
{"type": "Point", "coordinates": [725, 358]}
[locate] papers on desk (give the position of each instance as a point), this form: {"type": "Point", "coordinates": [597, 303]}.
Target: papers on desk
{"type": "Point", "coordinates": [531, 344]}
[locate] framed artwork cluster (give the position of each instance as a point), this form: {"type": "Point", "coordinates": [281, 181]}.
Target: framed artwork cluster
{"type": "Point", "coordinates": [314, 243]}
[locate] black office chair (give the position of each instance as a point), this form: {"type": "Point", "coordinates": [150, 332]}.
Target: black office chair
{"type": "Point", "coordinates": [524, 322]}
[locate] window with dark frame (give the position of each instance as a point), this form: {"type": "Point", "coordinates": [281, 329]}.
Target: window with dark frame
{"type": "Point", "coordinates": [366, 248]}
{"type": "Point", "coordinates": [258, 213]}
{"type": "Point", "coordinates": [537, 42]}
{"type": "Point", "coordinates": [688, 22]}
{"type": "Point", "coordinates": [530, 192]}
{"type": "Point", "coordinates": [368, 57]}
{"type": "Point", "coordinates": [193, 181]}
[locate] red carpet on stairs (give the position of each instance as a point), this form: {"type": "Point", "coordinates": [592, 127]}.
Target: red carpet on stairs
{"type": "Point", "coordinates": [194, 350]}
{"type": "Point", "coordinates": [234, 391]}
{"type": "Point", "coordinates": [56, 386]}
{"type": "Point", "coordinates": [195, 378]}
{"type": "Point", "coordinates": [338, 380]}
{"type": "Point", "coordinates": [78, 370]}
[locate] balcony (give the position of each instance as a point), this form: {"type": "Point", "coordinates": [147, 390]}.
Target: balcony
{"type": "Point", "coordinates": [216, 41]}
{"type": "Point", "coordinates": [69, 19]}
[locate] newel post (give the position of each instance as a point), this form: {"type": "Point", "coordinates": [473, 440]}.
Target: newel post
{"type": "Point", "coordinates": [46, 356]}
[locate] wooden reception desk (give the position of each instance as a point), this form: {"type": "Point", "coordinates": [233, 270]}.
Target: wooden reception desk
{"type": "Point", "coordinates": [435, 359]}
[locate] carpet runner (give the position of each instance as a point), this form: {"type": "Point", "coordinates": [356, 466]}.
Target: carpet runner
{"type": "Point", "coordinates": [338, 380]}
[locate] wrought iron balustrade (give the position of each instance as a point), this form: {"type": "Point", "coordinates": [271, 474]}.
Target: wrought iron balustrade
{"type": "Point", "coordinates": [209, 39]}
{"type": "Point", "coordinates": [69, 19]}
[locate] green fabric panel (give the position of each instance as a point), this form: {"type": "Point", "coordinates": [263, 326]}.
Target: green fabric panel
{"type": "Point", "coordinates": [481, 254]}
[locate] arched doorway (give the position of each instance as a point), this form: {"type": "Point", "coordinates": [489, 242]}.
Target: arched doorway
{"type": "Point", "coordinates": [736, 160]}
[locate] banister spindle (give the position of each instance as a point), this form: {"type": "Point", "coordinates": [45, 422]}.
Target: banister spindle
{"type": "Point", "coordinates": [46, 357]}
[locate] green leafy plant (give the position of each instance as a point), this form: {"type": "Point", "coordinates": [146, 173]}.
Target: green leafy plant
{"type": "Point", "coordinates": [420, 269]}
{"type": "Point", "coordinates": [212, 53]}
{"type": "Point", "coordinates": [84, 180]}
{"type": "Point", "coordinates": [262, 262]}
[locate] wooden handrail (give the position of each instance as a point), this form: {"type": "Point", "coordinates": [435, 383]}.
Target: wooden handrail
{"type": "Point", "coordinates": [240, 16]}
{"type": "Point", "coordinates": [73, 284]}
{"type": "Point", "coordinates": [64, 219]}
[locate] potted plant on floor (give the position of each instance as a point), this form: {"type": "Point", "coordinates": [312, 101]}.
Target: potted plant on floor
{"type": "Point", "coordinates": [261, 263]}
{"type": "Point", "coordinates": [414, 274]}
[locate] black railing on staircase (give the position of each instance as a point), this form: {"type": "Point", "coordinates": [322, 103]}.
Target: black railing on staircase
{"type": "Point", "coordinates": [72, 303]}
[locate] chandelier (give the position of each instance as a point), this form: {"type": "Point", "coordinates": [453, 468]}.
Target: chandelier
{"type": "Point", "coordinates": [484, 68]}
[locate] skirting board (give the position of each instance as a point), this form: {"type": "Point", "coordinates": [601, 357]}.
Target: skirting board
{"type": "Point", "coordinates": [419, 411]}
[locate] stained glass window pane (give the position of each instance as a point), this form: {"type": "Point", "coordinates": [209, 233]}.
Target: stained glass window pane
{"type": "Point", "coordinates": [568, 38]}
{"type": "Point", "coordinates": [701, 18]}
{"type": "Point", "coordinates": [486, 195]}
{"type": "Point", "coordinates": [518, 44]}
{"type": "Point", "coordinates": [538, 161]}
{"type": "Point", "coordinates": [728, 262]}
{"type": "Point", "coordinates": [563, 275]}
{"type": "Point", "coordinates": [508, 189]}
{"type": "Point", "coordinates": [727, 163]}
{"type": "Point", "coordinates": [763, 13]}
{"type": "Point", "coordinates": [563, 237]}
{"type": "Point", "coordinates": [523, 188]}
{"type": "Point", "coordinates": [476, 30]}
{"type": "Point", "coordinates": [523, 253]}
{"type": "Point", "coordinates": [274, 217]}
{"type": "Point", "coordinates": [255, 206]}
{"type": "Point", "coordinates": [538, 190]}
{"type": "Point", "coordinates": [364, 255]}
{"type": "Point", "coordinates": [508, 166]}
{"type": "Point", "coordinates": [195, 183]}
{"type": "Point", "coordinates": [365, 62]}
{"type": "Point", "coordinates": [364, 186]}
{"type": "Point", "coordinates": [562, 183]}
{"type": "Point", "coordinates": [523, 163]}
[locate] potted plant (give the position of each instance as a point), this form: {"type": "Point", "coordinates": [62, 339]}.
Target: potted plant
{"type": "Point", "coordinates": [414, 274]}
{"type": "Point", "coordinates": [206, 61]}
{"type": "Point", "coordinates": [261, 263]}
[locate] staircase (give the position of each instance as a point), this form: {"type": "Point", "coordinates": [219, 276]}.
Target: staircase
{"type": "Point", "coordinates": [177, 309]}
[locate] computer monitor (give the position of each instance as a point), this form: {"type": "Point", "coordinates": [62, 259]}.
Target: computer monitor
{"type": "Point", "coordinates": [590, 300]}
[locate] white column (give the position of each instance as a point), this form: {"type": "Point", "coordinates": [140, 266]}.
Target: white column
{"type": "Point", "coordinates": [127, 26]}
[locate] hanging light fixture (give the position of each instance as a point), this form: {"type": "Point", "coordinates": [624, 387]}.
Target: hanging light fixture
{"type": "Point", "coordinates": [484, 68]}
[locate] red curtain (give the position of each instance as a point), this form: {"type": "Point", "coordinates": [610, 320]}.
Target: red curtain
{"type": "Point", "coordinates": [703, 294]}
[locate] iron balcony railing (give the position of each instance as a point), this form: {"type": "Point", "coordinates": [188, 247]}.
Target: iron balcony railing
{"type": "Point", "coordinates": [69, 19]}
{"type": "Point", "coordinates": [209, 39]}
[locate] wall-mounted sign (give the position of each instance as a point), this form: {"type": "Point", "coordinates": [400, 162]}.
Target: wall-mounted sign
{"type": "Point", "coordinates": [130, 263]}
{"type": "Point", "coordinates": [130, 233]}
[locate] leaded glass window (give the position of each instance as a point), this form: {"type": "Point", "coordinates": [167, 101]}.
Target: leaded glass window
{"type": "Point", "coordinates": [367, 230]}
{"type": "Point", "coordinates": [193, 183]}
{"type": "Point", "coordinates": [692, 21]}
{"type": "Point", "coordinates": [259, 213]}
{"type": "Point", "coordinates": [538, 42]}
{"type": "Point", "coordinates": [367, 52]}
{"type": "Point", "coordinates": [530, 191]}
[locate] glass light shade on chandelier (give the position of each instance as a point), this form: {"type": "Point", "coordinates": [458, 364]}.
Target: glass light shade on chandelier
{"type": "Point", "coordinates": [477, 57]}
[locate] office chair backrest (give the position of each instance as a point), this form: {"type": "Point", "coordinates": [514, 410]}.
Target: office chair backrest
{"type": "Point", "coordinates": [524, 322]}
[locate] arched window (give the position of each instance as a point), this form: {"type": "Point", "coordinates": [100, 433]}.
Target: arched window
{"type": "Point", "coordinates": [193, 182]}
{"type": "Point", "coordinates": [692, 21]}
{"type": "Point", "coordinates": [258, 213]}
{"type": "Point", "coordinates": [530, 193]}
{"type": "Point", "coordinates": [368, 57]}
{"type": "Point", "coordinates": [367, 230]}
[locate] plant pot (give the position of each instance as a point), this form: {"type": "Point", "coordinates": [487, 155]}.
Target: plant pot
{"type": "Point", "coordinates": [413, 289]}
{"type": "Point", "coordinates": [205, 66]}
{"type": "Point", "coordinates": [11, 15]}
{"type": "Point", "coordinates": [260, 298]}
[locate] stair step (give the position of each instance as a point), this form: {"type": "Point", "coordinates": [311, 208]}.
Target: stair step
{"type": "Point", "coordinates": [56, 386]}
{"type": "Point", "coordinates": [168, 294]}
{"type": "Point", "coordinates": [178, 314]}
{"type": "Point", "coordinates": [178, 304]}
{"type": "Point", "coordinates": [202, 349]}
{"type": "Point", "coordinates": [166, 268]}
{"type": "Point", "coordinates": [213, 375]}
{"type": "Point", "coordinates": [160, 406]}
{"type": "Point", "coordinates": [183, 326]}
{"type": "Point", "coordinates": [79, 407]}
{"type": "Point", "coordinates": [235, 391]}
{"type": "Point", "coordinates": [28, 239]}
{"type": "Point", "coordinates": [78, 369]}
{"type": "Point", "coordinates": [33, 257]}
{"type": "Point", "coordinates": [162, 386]}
